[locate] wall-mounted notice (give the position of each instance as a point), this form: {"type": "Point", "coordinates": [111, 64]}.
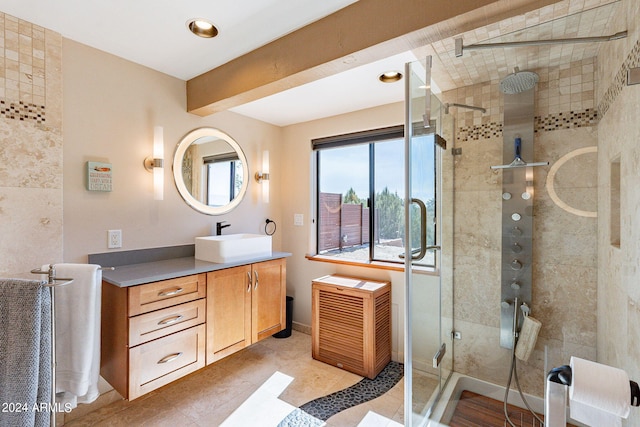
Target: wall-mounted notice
{"type": "Point", "coordinates": [99, 176]}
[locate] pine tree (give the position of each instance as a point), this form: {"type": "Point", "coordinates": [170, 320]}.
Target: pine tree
{"type": "Point", "coordinates": [351, 197]}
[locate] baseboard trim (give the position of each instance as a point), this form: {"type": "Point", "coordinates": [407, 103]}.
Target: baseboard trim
{"type": "Point", "coordinates": [301, 327]}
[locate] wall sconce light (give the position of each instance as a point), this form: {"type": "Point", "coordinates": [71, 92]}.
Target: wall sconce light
{"type": "Point", "coordinates": [155, 163]}
{"type": "Point", "coordinates": [263, 177]}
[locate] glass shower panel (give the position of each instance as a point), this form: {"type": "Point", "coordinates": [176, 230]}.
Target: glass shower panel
{"type": "Point", "coordinates": [428, 345]}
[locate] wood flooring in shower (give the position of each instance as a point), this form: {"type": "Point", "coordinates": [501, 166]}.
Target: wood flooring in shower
{"type": "Point", "coordinates": [475, 410]}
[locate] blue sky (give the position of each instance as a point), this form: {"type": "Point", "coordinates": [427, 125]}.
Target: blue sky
{"type": "Point", "coordinates": [347, 167]}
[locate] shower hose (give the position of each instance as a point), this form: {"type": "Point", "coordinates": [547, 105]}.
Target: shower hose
{"type": "Point", "coordinates": [513, 373]}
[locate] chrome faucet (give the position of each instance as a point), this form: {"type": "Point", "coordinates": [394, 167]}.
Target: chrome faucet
{"type": "Point", "coordinates": [219, 227]}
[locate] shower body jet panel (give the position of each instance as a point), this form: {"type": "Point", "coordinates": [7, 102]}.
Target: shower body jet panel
{"type": "Point", "coordinates": [517, 212]}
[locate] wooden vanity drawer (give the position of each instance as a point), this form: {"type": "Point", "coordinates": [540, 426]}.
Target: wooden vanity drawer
{"type": "Point", "coordinates": [158, 295]}
{"type": "Point", "coordinates": [162, 361]}
{"type": "Point", "coordinates": [150, 326]}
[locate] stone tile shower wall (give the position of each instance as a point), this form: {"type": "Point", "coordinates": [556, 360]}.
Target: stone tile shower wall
{"type": "Point", "coordinates": [30, 146]}
{"type": "Point", "coordinates": [618, 259]}
{"type": "Point", "coordinates": [565, 255]}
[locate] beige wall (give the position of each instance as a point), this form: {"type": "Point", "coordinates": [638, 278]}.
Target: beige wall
{"type": "Point", "coordinates": [619, 137]}
{"type": "Point", "coordinates": [30, 147]}
{"type": "Point", "coordinates": [111, 106]}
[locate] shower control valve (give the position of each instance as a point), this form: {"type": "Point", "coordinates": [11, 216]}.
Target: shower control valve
{"type": "Point", "coordinates": [516, 265]}
{"type": "Point", "coordinates": [515, 286]}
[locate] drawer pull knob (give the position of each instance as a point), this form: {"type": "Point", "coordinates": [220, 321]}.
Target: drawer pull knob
{"type": "Point", "coordinates": [168, 293]}
{"type": "Point", "coordinates": [171, 320]}
{"type": "Point", "coordinates": [170, 358]}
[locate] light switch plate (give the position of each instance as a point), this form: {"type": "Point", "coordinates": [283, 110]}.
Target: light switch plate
{"type": "Point", "coordinates": [298, 219]}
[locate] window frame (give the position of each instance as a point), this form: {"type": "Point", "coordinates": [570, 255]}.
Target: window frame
{"type": "Point", "coordinates": [230, 158]}
{"type": "Point", "coordinates": [369, 137]}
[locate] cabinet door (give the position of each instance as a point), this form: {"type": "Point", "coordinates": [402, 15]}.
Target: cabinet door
{"type": "Point", "coordinates": [228, 311]}
{"type": "Point", "coordinates": [268, 302]}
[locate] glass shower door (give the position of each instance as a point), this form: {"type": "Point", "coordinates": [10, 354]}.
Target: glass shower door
{"type": "Point", "coordinates": [428, 308]}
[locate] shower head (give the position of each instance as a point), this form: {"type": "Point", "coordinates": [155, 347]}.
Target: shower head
{"type": "Point", "coordinates": [518, 81]}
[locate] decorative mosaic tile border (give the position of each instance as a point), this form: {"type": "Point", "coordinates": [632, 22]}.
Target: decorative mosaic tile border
{"type": "Point", "coordinates": [620, 80]}
{"type": "Point", "coordinates": [22, 111]}
{"type": "Point", "coordinates": [476, 132]}
{"type": "Point", "coordinates": [566, 120]}
{"type": "Point", "coordinates": [556, 121]}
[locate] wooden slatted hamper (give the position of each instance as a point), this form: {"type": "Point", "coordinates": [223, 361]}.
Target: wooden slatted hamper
{"type": "Point", "coordinates": [351, 323]}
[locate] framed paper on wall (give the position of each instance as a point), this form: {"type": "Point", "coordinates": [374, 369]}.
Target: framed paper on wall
{"type": "Point", "coordinates": [99, 176]}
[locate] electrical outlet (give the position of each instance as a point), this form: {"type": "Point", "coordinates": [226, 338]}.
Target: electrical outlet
{"type": "Point", "coordinates": [298, 219]}
{"type": "Point", "coordinates": [114, 239]}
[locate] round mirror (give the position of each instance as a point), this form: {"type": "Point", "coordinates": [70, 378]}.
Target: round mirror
{"type": "Point", "coordinates": [210, 171]}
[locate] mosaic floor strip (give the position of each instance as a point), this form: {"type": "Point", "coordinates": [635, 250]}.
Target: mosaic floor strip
{"type": "Point", "coordinates": [325, 407]}
{"type": "Point", "coordinates": [299, 418]}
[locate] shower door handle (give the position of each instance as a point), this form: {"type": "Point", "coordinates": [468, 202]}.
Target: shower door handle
{"type": "Point", "coordinates": [437, 358]}
{"type": "Point", "coordinates": [420, 253]}
{"type": "Point", "coordinates": [423, 229]}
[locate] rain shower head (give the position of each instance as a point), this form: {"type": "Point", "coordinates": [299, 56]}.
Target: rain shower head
{"type": "Point", "coordinates": [518, 81]}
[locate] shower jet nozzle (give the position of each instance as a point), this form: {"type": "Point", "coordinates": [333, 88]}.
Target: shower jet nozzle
{"type": "Point", "coordinates": [517, 161]}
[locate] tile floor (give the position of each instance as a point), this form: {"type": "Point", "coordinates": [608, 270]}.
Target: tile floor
{"type": "Point", "coordinates": [209, 396]}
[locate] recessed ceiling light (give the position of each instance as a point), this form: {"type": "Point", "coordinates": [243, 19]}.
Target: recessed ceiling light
{"type": "Point", "coordinates": [202, 28]}
{"type": "Point", "coordinates": [390, 76]}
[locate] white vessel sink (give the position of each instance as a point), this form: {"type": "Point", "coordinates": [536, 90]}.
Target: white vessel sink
{"type": "Point", "coordinates": [232, 247]}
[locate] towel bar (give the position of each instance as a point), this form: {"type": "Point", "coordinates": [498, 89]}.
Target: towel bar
{"type": "Point", "coordinates": [52, 282]}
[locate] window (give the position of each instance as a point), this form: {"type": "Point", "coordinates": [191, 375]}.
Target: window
{"type": "Point", "coordinates": [361, 195]}
{"type": "Point", "coordinates": [224, 178]}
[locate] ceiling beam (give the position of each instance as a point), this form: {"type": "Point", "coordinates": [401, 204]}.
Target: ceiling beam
{"type": "Point", "coordinates": [365, 31]}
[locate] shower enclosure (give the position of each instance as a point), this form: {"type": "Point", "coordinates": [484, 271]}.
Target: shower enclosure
{"type": "Point", "coordinates": [429, 245]}
{"type": "Point", "coordinates": [558, 252]}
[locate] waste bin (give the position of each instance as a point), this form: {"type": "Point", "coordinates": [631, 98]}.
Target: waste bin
{"type": "Point", "coordinates": [286, 332]}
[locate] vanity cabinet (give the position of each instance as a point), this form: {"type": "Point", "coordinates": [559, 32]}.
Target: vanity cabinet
{"type": "Point", "coordinates": [152, 334]}
{"type": "Point", "coordinates": [244, 305]}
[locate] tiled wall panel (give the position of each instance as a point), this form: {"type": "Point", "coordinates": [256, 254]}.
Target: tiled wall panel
{"type": "Point", "coordinates": [30, 146]}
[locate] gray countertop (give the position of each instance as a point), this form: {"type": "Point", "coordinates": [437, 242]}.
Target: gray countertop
{"type": "Point", "coordinates": [137, 274]}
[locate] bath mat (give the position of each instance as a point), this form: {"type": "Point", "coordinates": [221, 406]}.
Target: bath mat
{"type": "Point", "coordinates": [325, 407]}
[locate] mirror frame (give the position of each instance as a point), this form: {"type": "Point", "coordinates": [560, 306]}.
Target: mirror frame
{"type": "Point", "coordinates": [178, 156]}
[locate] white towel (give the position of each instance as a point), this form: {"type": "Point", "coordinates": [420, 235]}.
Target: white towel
{"type": "Point", "coordinates": [599, 395]}
{"type": "Point", "coordinates": [77, 312]}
